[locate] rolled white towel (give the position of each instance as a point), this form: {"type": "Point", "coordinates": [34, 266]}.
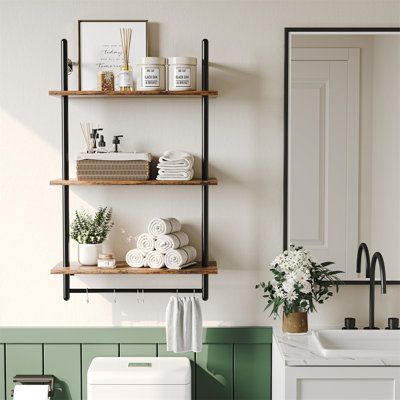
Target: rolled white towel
{"type": "Point", "coordinates": [177, 259]}
{"type": "Point", "coordinates": [155, 259]}
{"type": "Point", "coordinates": [176, 175]}
{"type": "Point", "coordinates": [145, 243]}
{"type": "Point", "coordinates": [171, 241]}
{"type": "Point", "coordinates": [177, 158]}
{"type": "Point", "coordinates": [163, 226]}
{"type": "Point", "coordinates": [135, 258]}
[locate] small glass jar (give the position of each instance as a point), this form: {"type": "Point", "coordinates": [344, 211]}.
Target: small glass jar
{"type": "Point", "coordinates": [125, 79]}
{"type": "Point", "coordinates": [182, 73]}
{"type": "Point", "coordinates": [106, 260]}
{"type": "Point", "coordinates": [151, 73]}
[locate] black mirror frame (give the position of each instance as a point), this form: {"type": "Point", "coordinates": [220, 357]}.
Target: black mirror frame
{"type": "Point", "coordinates": [288, 31]}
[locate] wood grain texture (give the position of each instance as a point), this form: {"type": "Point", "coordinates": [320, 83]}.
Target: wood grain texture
{"type": "Point", "coordinates": [151, 182]}
{"type": "Point", "coordinates": [134, 93]}
{"type": "Point", "coordinates": [123, 268]}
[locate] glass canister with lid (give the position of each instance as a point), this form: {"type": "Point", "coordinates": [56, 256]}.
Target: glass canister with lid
{"type": "Point", "coordinates": [182, 73]}
{"type": "Point", "coordinates": [151, 73]}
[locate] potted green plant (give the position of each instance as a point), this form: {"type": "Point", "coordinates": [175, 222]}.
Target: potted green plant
{"type": "Point", "coordinates": [90, 231]}
{"type": "Point", "coordinates": [299, 283]}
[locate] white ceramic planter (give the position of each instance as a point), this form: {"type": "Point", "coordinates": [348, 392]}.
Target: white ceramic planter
{"type": "Point", "coordinates": [89, 253]}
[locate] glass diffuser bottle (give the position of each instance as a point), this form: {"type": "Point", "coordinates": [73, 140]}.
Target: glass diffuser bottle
{"type": "Point", "coordinates": [125, 75]}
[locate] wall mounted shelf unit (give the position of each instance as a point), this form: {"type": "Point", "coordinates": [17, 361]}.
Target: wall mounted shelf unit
{"type": "Point", "coordinates": [68, 269]}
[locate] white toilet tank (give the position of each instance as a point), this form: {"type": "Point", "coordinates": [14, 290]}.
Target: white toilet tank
{"type": "Point", "coordinates": [139, 378]}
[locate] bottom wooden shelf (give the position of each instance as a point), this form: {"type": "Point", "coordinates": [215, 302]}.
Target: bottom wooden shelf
{"type": "Point", "coordinates": [123, 268]}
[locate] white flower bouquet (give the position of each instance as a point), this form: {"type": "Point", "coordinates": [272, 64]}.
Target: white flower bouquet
{"type": "Point", "coordinates": [299, 282]}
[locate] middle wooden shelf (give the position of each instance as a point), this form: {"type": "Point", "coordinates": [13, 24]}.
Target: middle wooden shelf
{"type": "Point", "coordinates": [150, 182]}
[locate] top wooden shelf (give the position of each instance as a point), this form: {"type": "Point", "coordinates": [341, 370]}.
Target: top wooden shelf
{"type": "Point", "coordinates": [134, 93]}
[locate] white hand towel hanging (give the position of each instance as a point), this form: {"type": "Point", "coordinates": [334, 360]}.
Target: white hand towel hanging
{"type": "Point", "coordinates": [163, 226]}
{"type": "Point", "coordinates": [184, 325]}
{"type": "Point", "coordinates": [171, 241]}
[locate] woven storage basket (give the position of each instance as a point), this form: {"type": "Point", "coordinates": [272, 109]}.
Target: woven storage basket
{"type": "Point", "coordinates": [113, 170]}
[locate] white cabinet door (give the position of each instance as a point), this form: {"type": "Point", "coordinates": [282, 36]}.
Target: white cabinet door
{"type": "Point", "coordinates": [323, 170]}
{"type": "Point", "coordinates": [342, 383]}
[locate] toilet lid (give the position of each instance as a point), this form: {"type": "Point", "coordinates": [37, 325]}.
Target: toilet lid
{"type": "Point", "coordinates": [139, 371]}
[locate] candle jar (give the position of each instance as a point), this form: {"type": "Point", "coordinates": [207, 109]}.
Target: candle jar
{"type": "Point", "coordinates": [151, 73]}
{"type": "Point", "coordinates": [182, 73]}
{"type": "Point", "coordinates": [125, 79]}
{"type": "Point", "coordinates": [105, 81]}
{"type": "Point", "coordinates": [106, 261]}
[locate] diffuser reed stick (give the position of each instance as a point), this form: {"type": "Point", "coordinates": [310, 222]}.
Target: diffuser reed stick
{"type": "Point", "coordinates": [86, 128]}
{"type": "Point", "coordinates": [125, 75]}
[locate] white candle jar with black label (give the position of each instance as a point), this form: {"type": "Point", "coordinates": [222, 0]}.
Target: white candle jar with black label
{"type": "Point", "coordinates": [151, 73]}
{"type": "Point", "coordinates": [182, 73]}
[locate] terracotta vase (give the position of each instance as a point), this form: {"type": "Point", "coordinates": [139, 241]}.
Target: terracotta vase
{"type": "Point", "coordinates": [296, 322]}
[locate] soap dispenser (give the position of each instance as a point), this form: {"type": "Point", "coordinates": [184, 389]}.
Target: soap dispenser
{"type": "Point", "coordinates": [94, 136]}
{"type": "Point", "coordinates": [101, 145]}
{"type": "Point", "coordinates": [116, 142]}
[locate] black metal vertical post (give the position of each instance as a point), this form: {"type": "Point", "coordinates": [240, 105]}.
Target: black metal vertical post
{"type": "Point", "coordinates": [65, 165]}
{"type": "Point", "coordinates": [204, 86]}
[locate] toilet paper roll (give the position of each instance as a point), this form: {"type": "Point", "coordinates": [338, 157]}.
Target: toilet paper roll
{"type": "Point", "coordinates": [31, 392]}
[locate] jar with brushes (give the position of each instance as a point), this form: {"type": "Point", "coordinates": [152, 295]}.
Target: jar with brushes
{"type": "Point", "coordinates": [151, 73]}
{"type": "Point", "coordinates": [125, 75]}
{"type": "Point", "coordinates": [182, 73]}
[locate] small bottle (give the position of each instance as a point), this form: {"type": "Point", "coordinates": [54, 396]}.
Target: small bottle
{"type": "Point", "coordinates": [93, 139]}
{"type": "Point", "coordinates": [101, 146]}
{"type": "Point", "coordinates": [125, 79]}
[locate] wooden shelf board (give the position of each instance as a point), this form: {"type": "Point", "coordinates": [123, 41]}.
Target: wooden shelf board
{"type": "Point", "coordinates": [124, 268]}
{"type": "Point", "coordinates": [151, 182]}
{"type": "Point", "coordinates": [134, 93]}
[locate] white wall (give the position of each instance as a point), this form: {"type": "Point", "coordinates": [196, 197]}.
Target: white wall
{"type": "Point", "coordinates": [246, 125]}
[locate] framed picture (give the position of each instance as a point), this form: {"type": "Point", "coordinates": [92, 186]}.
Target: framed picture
{"type": "Point", "coordinates": [100, 48]}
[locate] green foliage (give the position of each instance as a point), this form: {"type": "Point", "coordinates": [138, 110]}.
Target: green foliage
{"type": "Point", "coordinates": [89, 229]}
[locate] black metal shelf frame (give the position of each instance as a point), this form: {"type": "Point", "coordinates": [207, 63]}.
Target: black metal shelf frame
{"type": "Point", "coordinates": [67, 290]}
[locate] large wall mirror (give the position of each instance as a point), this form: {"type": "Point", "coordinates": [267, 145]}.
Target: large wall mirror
{"type": "Point", "coordinates": [342, 145]}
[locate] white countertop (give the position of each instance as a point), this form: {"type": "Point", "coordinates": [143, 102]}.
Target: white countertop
{"type": "Point", "coordinates": [300, 350]}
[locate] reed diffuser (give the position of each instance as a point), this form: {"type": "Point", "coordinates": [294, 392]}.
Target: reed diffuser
{"type": "Point", "coordinates": [125, 75]}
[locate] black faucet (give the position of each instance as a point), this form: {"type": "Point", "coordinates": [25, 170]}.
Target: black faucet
{"type": "Point", "coordinates": [363, 247]}
{"type": "Point", "coordinates": [377, 257]}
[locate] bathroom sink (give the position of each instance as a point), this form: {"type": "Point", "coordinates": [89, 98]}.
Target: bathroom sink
{"type": "Point", "coordinates": [357, 343]}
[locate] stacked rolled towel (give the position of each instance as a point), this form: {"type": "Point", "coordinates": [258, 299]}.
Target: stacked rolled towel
{"type": "Point", "coordinates": [180, 258]}
{"type": "Point", "coordinates": [164, 241]}
{"type": "Point", "coordinates": [175, 165]}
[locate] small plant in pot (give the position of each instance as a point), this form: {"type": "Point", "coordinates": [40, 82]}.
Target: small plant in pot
{"type": "Point", "coordinates": [299, 283]}
{"type": "Point", "coordinates": [90, 231]}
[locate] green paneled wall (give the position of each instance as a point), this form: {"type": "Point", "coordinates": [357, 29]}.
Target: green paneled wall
{"type": "Point", "coordinates": [235, 363]}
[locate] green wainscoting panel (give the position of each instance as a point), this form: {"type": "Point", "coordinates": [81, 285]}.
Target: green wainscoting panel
{"type": "Point", "coordinates": [214, 372]}
{"type": "Point", "coordinates": [235, 362]}
{"type": "Point", "coordinates": [2, 372]}
{"type": "Point", "coordinates": [22, 359]}
{"type": "Point", "coordinates": [162, 352]}
{"type": "Point", "coordinates": [252, 371]}
{"type": "Point", "coordinates": [64, 361]}
{"type": "Point", "coordinates": [90, 351]}
{"type": "Point", "coordinates": [138, 350]}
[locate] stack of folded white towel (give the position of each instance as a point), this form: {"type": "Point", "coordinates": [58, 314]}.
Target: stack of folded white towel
{"type": "Point", "coordinates": [175, 165]}
{"type": "Point", "coordinates": [165, 245]}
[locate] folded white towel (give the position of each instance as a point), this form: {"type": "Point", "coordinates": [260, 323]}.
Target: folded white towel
{"type": "Point", "coordinates": [173, 168]}
{"type": "Point", "coordinates": [177, 158]}
{"type": "Point", "coordinates": [176, 175]}
{"type": "Point", "coordinates": [135, 258]}
{"type": "Point", "coordinates": [145, 242]}
{"type": "Point", "coordinates": [184, 325]}
{"type": "Point", "coordinates": [163, 226]}
{"type": "Point", "coordinates": [177, 259]}
{"type": "Point", "coordinates": [115, 156]}
{"type": "Point", "coordinates": [171, 241]}
{"type": "Point", "coordinates": [155, 259]}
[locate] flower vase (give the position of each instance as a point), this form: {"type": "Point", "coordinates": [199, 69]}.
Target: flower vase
{"type": "Point", "coordinates": [295, 322]}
